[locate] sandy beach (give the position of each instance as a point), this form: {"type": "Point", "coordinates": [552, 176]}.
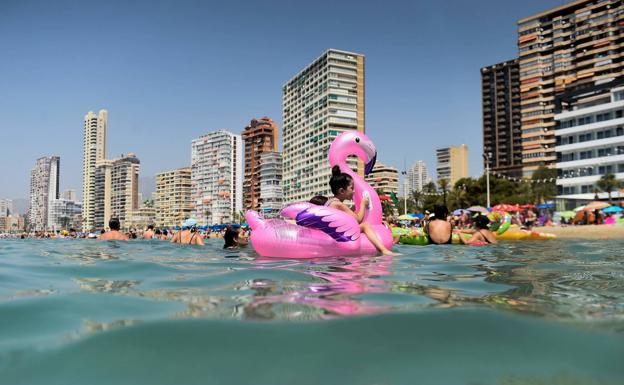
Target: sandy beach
{"type": "Point", "coordinates": [585, 232]}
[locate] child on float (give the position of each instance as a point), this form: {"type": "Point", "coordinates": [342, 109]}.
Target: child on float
{"type": "Point", "coordinates": [481, 234]}
{"type": "Point", "coordinates": [341, 185]}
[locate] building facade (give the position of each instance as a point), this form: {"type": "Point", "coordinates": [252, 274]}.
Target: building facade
{"type": "Point", "coordinates": [44, 187]}
{"type": "Point", "coordinates": [502, 139]}
{"type": "Point", "coordinates": [94, 150]}
{"type": "Point", "coordinates": [173, 197]}
{"type": "Point", "coordinates": [271, 192]}
{"type": "Point", "coordinates": [217, 177]}
{"type": "Point", "coordinates": [64, 214]}
{"type": "Point", "coordinates": [589, 139]}
{"type": "Point", "coordinates": [116, 189]}
{"type": "Point", "coordinates": [6, 207]}
{"type": "Point", "coordinates": [564, 49]}
{"type": "Point", "coordinates": [452, 163]}
{"type": "Point", "coordinates": [384, 179]}
{"type": "Point", "coordinates": [260, 136]}
{"type": "Point", "coordinates": [417, 177]}
{"type": "Point", "coordinates": [323, 100]}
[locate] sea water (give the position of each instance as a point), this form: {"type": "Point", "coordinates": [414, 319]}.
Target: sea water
{"type": "Point", "coordinates": [149, 312]}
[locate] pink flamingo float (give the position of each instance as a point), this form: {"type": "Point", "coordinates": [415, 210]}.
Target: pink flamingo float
{"type": "Point", "coordinates": [324, 231]}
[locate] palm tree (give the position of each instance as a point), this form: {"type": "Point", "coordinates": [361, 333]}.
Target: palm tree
{"type": "Point", "coordinates": [608, 183]}
{"type": "Point", "coordinates": [444, 186]}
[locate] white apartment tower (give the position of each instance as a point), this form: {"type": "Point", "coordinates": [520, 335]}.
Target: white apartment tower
{"type": "Point", "coordinates": [44, 187]}
{"type": "Point", "coordinates": [116, 189]}
{"type": "Point", "coordinates": [323, 100]}
{"type": "Point", "coordinates": [271, 192]}
{"type": "Point", "coordinates": [417, 177]}
{"type": "Point", "coordinates": [94, 150]}
{"type": "Point", "coordinates": [217, 177]}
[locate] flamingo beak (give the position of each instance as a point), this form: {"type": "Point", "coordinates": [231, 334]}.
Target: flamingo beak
{"type": "Point", "coordinates": [369, 166]}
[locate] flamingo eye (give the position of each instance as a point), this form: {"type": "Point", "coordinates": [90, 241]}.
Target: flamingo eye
{"type": "Point", "coordinates": [357, 140]}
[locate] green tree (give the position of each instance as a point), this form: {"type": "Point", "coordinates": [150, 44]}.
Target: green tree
{"type": "Point", "coordinates": [444, 187]}
{"type": "Point", "coordinates": [608, 183]}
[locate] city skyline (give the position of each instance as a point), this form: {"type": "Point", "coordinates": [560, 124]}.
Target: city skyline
{"type": "Point", "coordinates": [158, 103]}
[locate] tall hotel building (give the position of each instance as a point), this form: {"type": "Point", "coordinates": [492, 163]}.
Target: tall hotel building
{"type": "Point", "coordinates": [565, 49]}
{"type": "Point", "coordinates": [502, 141]}
{"type": "Point", "coordinates": [452, 163]}
{"type": "Point", "coordinates": [94, 150]}
{"type": "Point", "coordinates": [260, 136]}
{"type": "Point", "coordinates": [116, 189]}
{"type": "Point", "coordinates": [417, 177]}
{"type": "Point", "coordinates": [384, 178]}
{"type": "Point", "coordinates": [173, 197]}
{"type": "Point", "coordinates": [44, 187]}
{"type": "Point", "coordinates": [271, 192]}
{"type": "Point", "coordinates": [217, 177]}
{"type": "Point", "coordinates": [323, 100]}
{"type": "Point", "coordinates": [590, 139]}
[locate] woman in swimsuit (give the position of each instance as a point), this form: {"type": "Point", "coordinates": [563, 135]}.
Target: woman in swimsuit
{"type": "Point", "coordinates": [481, 235]}
{"type": "Point", "coordinates": [439, 230]}
{"type": "Point", "coordinates": [188, 235]}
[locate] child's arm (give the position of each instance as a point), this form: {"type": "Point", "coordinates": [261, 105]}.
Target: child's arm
{"type": "Point", "coordinates": [359, 216]}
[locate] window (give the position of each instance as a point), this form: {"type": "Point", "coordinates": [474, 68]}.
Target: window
{"type": "Point", "coordinates": [619, 95]}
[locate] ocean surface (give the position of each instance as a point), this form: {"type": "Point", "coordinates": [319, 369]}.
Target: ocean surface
{"type": "Point", "coordinates": [149, 312]}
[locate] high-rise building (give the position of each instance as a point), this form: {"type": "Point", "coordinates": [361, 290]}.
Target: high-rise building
{"type": "Point", "coordinates": [70, 195]}
{"type": "Point", "coordinates": [323, 100]}
{"type": "Point", "coordinates": [94, 150]}
{"type": "Point", "coordinates": [452, 163]}
{"type": "Point", "coordinates": [173, 197]}
{"type": "Point", "coordinates": [502, 140]}
{"type": "Point", "coordinates": [44, 187]}
{"type": "Point", "coordinates": [217, 177]}
{"type": "Point", "coordinates": [384, 178]}
{"type": "Point", "coordinates": [116, 189]}
{"type": "Point", "coordinates": [260, 136]}
{"type": "Point", "coordinates": [271, 192]}
{"type": "Point", "coordinates": [417, 177]}
{"type": "Point", "coordinates": [64, 214]}
{"type": "Point", "coordinates": [589, 138]}
{"type": "Point", "coordinates": [565, 49]}
{"type": "Point", "coordinates": [6, 207]}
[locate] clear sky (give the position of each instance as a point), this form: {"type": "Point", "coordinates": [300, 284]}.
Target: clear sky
{"type": "Point", "coordinates": [170, 71]}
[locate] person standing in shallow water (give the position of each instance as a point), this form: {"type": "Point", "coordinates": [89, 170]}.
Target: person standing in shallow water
{"type": "Point", "coordinates": [114, 234]}
{"type": "Point", "coordinates": [439, 230]}
{"type": "Point", "coordinates": [188, 235]}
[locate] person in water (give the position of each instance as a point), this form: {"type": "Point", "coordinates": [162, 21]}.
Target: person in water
{"type": "Point", "coordinates": [341, 185]}
{"type": "Point", "coordinates": [188, 235]}
{"type": "Point", "coordinates": [481, 234]}
{"type": "Point", "coordinates": [114, 234]}
{"type": "Point", "coordinates": [438, 229]}
{"type": "Point", "coordinates": [230, 238]}
{"type": "Point", "coordinates": [149, 233]}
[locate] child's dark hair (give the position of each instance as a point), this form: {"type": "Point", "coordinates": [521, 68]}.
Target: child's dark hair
{"type": "Point", "coordinates": [481, 222]}
{"type": "Point", "coordinates": [440, 212]}
{"type": "Point", "coordinates": [319, 200]}
{"type": "Point", "coordinates": [339, 180]}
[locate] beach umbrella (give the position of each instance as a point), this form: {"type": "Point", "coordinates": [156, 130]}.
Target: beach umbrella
{"type": "Point", "coordinates": [506, 208]}
{"type": "Point", "coordinates": [527, 206]}
{"type": "Point", "coordinates": [478, 209]}
{"type": "Point", "coordinates": [565, 214]}
{"type": "Point", "coordinates": [460, 212]}
{"type": "Point", "coordinates": [596, 205]}
{"type": "Point", "coordinates": [419, 216]}
{"type": "Point", "coordinates": [546, 206]}
{"type": "Point", "coordinates": [405, 217]}
{"type": "Point", "coordinates": [579, 208]}
{"type": "Point", "coordinates": [613, 209]}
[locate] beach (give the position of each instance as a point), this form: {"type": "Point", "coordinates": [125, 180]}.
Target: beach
{"type": "Point", "coordinates": [585, 232]}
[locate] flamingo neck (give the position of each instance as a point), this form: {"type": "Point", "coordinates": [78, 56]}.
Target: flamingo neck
{"type": "Point", "coordinates": [372, 216]}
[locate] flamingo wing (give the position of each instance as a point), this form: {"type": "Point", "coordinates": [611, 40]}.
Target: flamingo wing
{"type": "Point", "coordinates": [337, 224]}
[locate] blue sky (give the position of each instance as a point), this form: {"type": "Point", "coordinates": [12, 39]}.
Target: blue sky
{"type": "Point", "coordinates": [169, 71]}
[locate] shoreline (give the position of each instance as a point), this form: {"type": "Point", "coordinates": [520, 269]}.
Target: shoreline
{"type": "Point", "coordinates": [585, 232]}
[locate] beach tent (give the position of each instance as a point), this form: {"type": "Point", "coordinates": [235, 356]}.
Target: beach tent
{"type": "Point", "coordinates": [613, 209]}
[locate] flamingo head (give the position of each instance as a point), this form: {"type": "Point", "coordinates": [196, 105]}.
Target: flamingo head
{"type": "Point", "coordinates": [353, 143]}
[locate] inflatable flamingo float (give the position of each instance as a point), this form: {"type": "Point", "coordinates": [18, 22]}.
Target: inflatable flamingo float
{"type": "Point", "coordinates": [324, 231]}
